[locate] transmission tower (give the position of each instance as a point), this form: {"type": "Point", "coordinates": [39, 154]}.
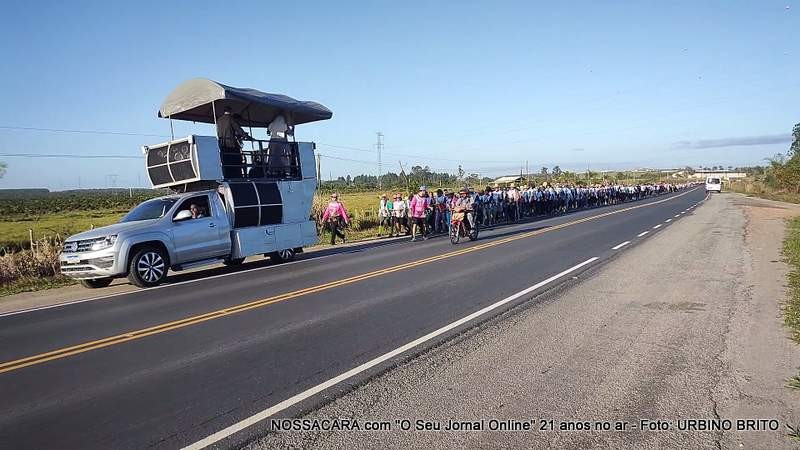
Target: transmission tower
{"type": "Point", "coordinates": [379, 147]}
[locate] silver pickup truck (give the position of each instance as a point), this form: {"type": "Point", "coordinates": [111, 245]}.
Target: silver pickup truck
{"type": "Point", "coordinates": [163, 233]}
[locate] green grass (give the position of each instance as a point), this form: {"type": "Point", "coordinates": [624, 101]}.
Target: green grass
{"type": "Point", "coordinates": [35, 284]}
{"type": "Point", "coordinates": [759, 189]}
{"type": "Point", "coordinates": [791, 250]}
{"type": "Point", "coordinates": [14, 230]}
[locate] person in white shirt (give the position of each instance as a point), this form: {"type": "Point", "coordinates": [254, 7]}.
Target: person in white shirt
{"type": "Point", "coordinates": [398, 213]}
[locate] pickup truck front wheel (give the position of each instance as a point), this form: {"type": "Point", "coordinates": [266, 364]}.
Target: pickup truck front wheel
{"type": "Point", "coordinates": [96, 283]}
{"type": "Point", "coordinates": [282, 256]}
{"type": "Point", "coordinates": [148, 267]}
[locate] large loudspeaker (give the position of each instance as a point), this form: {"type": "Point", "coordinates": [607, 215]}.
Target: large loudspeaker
{"type": "Point", "coordinates": [171, 163]}
{"type": "Point", "coordinates": [256, 203]}
{"type": "Point", "coordinates": [194, 158]}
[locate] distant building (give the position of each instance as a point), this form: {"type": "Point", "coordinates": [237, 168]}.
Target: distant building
{"type": "Point", "coordinates": [507, 181]}
{"type": "Point", "coordinates": [724, 174]}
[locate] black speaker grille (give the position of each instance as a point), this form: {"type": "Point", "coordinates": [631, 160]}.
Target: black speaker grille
{"type": "Point", "coordinates": [182, 170]}
{"type": "Point", "coordinates": [159, 175]}
{"type": "Point", "coordinates": [271, 215]}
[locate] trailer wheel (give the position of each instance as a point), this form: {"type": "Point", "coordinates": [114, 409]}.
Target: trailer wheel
{"type": "Point", "coordinates": [233, 261]}
{"type": "Point", "coordinates": [282, 256]}
{"type": "Point", "coordinates": [96, 283]}
{"type": "Point", "coordinates": [148, 267]}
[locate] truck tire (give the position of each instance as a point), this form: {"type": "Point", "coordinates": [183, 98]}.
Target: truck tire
{"type": "Point", "coordinates": [96, 283]}
{"type": "Point", "coordinates": [233, 261]}
{"type": "Point", "coordinates": [282, 256]}
{"type": "Point", "coordinates": [148, 267]}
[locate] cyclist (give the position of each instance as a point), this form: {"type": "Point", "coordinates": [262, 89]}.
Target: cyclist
{"type": "Point", "coordinates": [465, 204]}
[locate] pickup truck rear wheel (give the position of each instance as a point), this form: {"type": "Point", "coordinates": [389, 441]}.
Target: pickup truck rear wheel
{"type": "Point", "coordinates": [282, 256]}
{"type": "Point", "coordinates": [96, 283]}
{"type": "Point", "coordinates": [148, 267]}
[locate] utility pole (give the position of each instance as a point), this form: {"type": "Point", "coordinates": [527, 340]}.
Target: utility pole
{"type": "Point", "coordinates": [319, 172]}
{"type": "Point", "coordinates": [379, 147]}
{"type": "Point", "coordinates": [403, 171]}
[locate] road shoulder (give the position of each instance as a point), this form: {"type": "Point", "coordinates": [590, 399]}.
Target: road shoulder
{"type": "Point", "coordinates": [684, 325]}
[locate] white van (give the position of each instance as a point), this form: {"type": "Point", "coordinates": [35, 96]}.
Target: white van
{"type": "Point", "coordinates": [713, 184]}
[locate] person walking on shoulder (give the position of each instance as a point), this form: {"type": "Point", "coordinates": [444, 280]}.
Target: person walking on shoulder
{"type": "Point", "coordinates": [398, 214]}
{"type": "Point", "coordinates": [335, 218]}
{"type": "Point", "coordinates": [418, 209]}
{"type": "Point", "coordinates": [384, 215]}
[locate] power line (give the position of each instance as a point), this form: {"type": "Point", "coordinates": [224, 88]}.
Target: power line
{"type": "Point", "coordinates": [347, 159]}
{"type": "Point", "coordinates": [343, 147]}
{"type": "Point", "coordinates": [62, 130]}
{"type": "Point", "coordinates": [408, 155]}
{"type": "Point", "coordinates": [67, 155]}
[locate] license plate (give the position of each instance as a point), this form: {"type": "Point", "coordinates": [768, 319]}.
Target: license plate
{"type": "Point", "coordinates": [73, 259]}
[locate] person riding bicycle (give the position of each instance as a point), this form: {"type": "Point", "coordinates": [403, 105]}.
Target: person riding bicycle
{"type": "Point", "coordinates": [465, 204]}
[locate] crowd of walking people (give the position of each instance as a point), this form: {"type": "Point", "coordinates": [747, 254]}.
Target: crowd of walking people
{"type": "Point", "coordinates": [426, 213]}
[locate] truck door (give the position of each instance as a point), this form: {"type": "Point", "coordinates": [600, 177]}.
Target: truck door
{"type": "Point", "coordinates": [198, 238]}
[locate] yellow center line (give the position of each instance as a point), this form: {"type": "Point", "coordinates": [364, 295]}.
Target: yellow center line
{"type": "Point", "coordinates": [185, 322]}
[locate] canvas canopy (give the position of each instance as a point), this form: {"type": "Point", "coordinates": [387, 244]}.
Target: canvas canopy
{"type": "Point", "coordinates": [192, 100]}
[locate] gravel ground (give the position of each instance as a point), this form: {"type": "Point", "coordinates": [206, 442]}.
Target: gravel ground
{"type": "Point", "coordinates": [685, 325]}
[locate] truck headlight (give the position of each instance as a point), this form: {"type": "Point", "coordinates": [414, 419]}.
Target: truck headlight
{"type": "Point", "coordinates": [105, 242]}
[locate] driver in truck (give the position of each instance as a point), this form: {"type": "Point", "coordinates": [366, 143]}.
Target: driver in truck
{"type": "Point", "coordinates": [196, 211]}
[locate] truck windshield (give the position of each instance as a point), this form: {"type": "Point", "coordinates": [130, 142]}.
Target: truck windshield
{"type": "Point", "coordinates": [151, 209]}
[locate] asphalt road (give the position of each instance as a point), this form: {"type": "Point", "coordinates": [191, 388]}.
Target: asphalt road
{"type": "Point", "coordinates": [171, 366]}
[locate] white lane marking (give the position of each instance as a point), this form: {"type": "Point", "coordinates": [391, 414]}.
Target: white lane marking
{"type": "Point", "coordinates": [258, 417]}
{"type": "Point", "coordinates": [642, 233]}
{"type": "Point", "coordinates": [619, 246]}
{"type": "Point", "coordinates": [657, 226]}
{"type": "Point", "coordinates": [668, 221]}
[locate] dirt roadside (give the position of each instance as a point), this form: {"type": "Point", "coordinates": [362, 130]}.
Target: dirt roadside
{"type": "Point", "coordinates": [685, 325]}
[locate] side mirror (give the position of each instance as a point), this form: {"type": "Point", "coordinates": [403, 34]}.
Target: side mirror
{"type": "Point", "coordinates": [182, 215]}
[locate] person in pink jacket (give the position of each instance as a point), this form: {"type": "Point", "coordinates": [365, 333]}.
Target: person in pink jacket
{"type": "Point", "coordinates": [335, 217]}
{"type": "Point", "coordinates": [417, 208]}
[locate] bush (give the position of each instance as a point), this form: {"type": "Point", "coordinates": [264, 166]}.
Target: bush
{"type": "Point", "coordinates": [31, 265]}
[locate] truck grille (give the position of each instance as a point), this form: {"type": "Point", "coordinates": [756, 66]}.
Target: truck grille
{"type": "Point", "coordinates": [80, 246]}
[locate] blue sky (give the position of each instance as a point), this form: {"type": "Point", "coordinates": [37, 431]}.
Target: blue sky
{"type": "Point", "coordinates": [488, 85]}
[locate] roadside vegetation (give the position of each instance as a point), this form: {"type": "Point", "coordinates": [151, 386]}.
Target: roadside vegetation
{"type": "Point", "coordinates": [791, 250]}
{"type": "Point", "coordinates": [780, 180]}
